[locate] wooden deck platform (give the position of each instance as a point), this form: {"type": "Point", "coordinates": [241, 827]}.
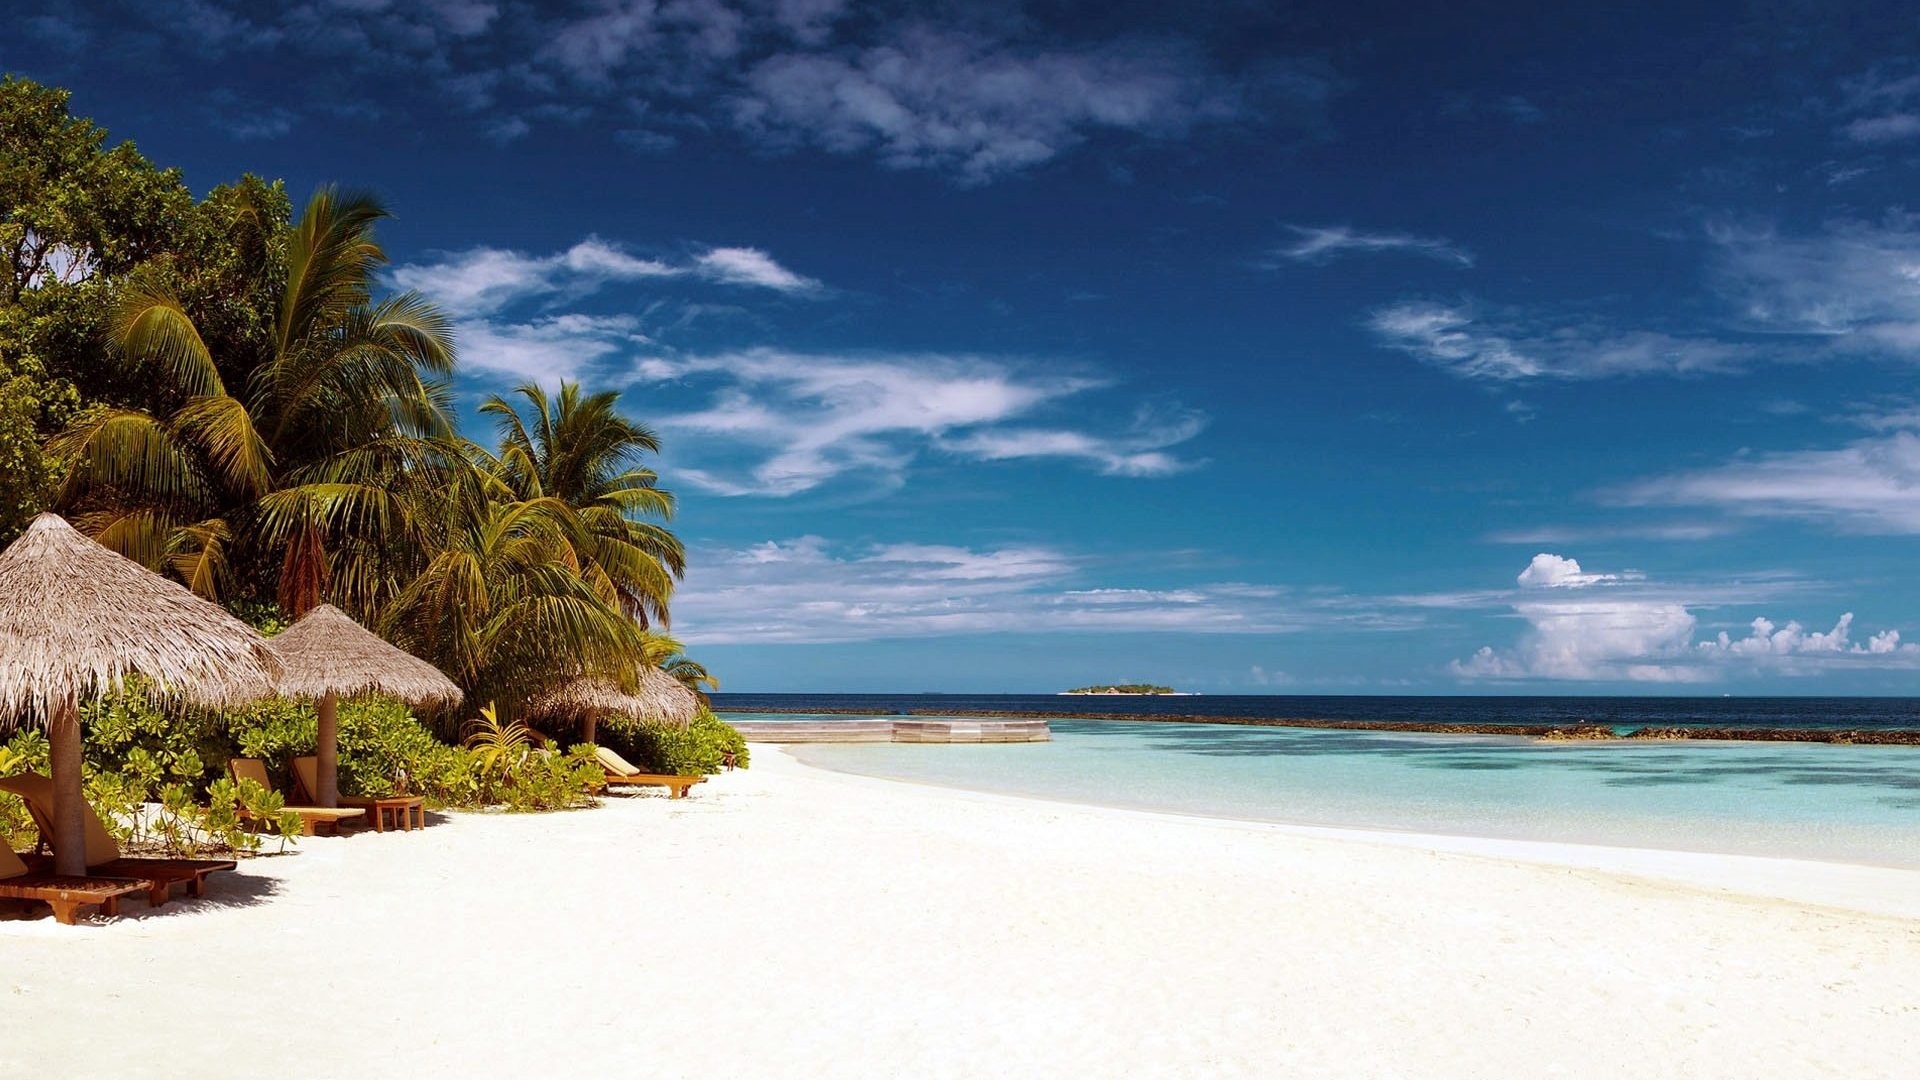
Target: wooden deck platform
{"type": "Point", "coordinates": [905, 731]}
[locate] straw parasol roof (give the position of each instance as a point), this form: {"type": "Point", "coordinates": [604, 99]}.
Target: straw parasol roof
{"type": "Point", "coordinates": [77, 619]}
{"type": "Point", "coordinates": [658, 697]}
{"type": "Point", "coordinates": [326, 652]}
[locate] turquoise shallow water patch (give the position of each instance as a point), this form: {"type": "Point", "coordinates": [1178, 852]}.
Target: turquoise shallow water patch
{"type": "Point", "coordinates": [1842, 803]}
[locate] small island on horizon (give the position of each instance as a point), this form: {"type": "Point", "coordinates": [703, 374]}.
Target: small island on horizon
{"type": "Point", "coordinates": [1127, 689]}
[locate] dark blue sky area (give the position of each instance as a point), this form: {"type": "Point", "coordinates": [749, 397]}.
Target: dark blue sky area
{"type": "Point", "coordinates": [1344, 348]}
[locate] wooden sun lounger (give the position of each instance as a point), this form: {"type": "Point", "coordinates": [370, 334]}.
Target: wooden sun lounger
{"type": "Point", "coordinates": [621, 772]}
{"type": "Point", "coordinates": [407, 812]}
{"type": "Point", "coordinates": [64, 894]}
{"type": "Point", "coordinates": [677, 786]}
{"type": "Point", "coordinates": [160, 874]}
{"type": "Point", "coordinates": [313, 819]}
{"type": "Point", "coordinates": [67, 895]}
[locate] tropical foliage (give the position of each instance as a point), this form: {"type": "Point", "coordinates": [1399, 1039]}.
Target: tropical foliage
{"type": "Point", "coordinates": [702, 747]}
{"type": "Point", "coordinates": [582, 453]}
{"type": "Point", "coordinates": [331, 421]}
{"type": "Point", "coordinates": [224, 391]}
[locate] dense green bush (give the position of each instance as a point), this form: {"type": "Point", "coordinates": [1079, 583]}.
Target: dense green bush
{"type": "Point", "coordinates": [158, 776]}
{"type": "Point", "coordinates": [701, 747]}
{"type": "Point", "coordinates": [381, 747]}
{"type": "Point", "coordinates": [144, 776]}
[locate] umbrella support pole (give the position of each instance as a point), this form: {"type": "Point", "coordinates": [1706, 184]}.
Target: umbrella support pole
{"type": "Point", "coordinates": [69, 816]}
{"type": "Point", "coordinates": [327, 751]}
{"type": "Point", "coordinates": [587, 726]}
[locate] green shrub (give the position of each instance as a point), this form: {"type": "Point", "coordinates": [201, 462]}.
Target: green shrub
{"type": "Point", "coordinates": [26, 751]}
{"type": "Point", "coordinates": [381, 745]}
{"type": "Point", "coordinates": [701, 747]}
{"type": "Point", "coordinates": [384, 748]}
{"type": "Point", "coordinates": [513, 773]}
{"type": "Point", "coordinates": [546, 780]}
{"type": "Point", "coordinates": [158, 777]}
{"type": "Point", "coordinates": [144, 772]}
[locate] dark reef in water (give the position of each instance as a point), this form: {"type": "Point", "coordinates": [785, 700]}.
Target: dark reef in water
{"type": "Point", "coordinates": [1557, 732]}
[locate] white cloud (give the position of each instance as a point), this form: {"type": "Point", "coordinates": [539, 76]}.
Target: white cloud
{"type": "Point", "coordinates": [1855, 283]}
{"type": "Point", "coordinates": [1893, 127]}
{"type": "Point", "coordinates": [485, 288]}
{"type": "Point", "coordinates": [806, 419]}
{"type": "Point", "coordinates": [1609, 627]}
{"type": "Point", "coordinates": [751, 266]}
{"type": "Point", "coordinates": [953, 88]}
{"type": "Point", "coordinates": [1884, 106]}
{"type": "Point", "coordinates": [1548, 571]}
{"type": "Point", "coordinates": [1764, 639]}
{"type": "Point", "coordinates": [807, 590]}
{"type": "Point", "coordinates": [1325, 243]}
{"type": "Point", "coordinates": [1140, 451]}
{"type": "Point", "coordinates": [486, 280]}
{"type": "Point", "coordinates": [933, 98]}
{"type": "Point", "coordinates": [1872, 485]}
{"type": "Point", "coordinates": [1563, 534]}
{"type": "Point", "coordinates": [1463, 342]}
{"type": "Point", "coordinates": [546, 350]}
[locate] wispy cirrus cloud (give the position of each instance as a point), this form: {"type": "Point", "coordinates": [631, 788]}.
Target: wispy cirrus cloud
{"type": "Point", "coordinates": [509, 305]}
{"type": "Point", "coordinates": [808, 590]}
{"type": "Point", "coordinates": [1868, 486]}
{"type": "Point", "coordinates": [485, 280]}
{"type": "Point", "coordinates": [792, 422]}
{"type": "Point", "coordinates": [1854, 284]}
{"type": "Point", "coordinates": [1512, 347]}
{"type": "Point", "coordinates": [1566, 534]}
{"type": "Point", "coordinates": [1845, 289]}
{"type": "Point", "coordinates": [1596, 627]}
{"type": "Point", "coordinates": [926, 97]}
{"type": "Point", "coordinates": [1880, 106]}
{"type": "Point", "coordinates": [548, 348]}
{"type": "Point", "coordinates": [952, 90]}
{"type": "Point", "coordinates": [1143, 449]}
{"type": "Point", "coordinates": [1325, 243]}
{"type": "Point", "coordinates": [751, 266]}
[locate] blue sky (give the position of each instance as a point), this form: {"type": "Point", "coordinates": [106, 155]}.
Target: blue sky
{"type": "Point", "coordinates": [1351, 348]}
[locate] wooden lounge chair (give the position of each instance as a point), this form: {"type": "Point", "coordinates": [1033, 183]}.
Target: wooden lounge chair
{"type": "Point", "coordinates": [65, 895]}
{"type": "Point", "coordinates": [103, 851]}
{"type": "Point", "coordinates": [313, 819]}
{"type": "Point", "coordinates": [406, 811]}
{"type": "Point", "coordinates": [621, 773]}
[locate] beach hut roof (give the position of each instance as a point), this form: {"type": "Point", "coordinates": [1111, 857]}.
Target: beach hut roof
{"type": "Point", "coordinates": [76, 620]}
{"type": "Point", "coordinates": [658, 696]}
{"type": "Point", "coordinates": [326, 652]}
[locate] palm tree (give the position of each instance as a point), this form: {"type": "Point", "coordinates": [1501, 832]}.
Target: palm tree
{"type": "Point", "coordinates": [691, 674]}
{"type": "Point", "coordinates": [310, 453]}
{"type": "Point", "coordinates": [502, 605]}
{"type": "Point", "coordinates": [580, 451]}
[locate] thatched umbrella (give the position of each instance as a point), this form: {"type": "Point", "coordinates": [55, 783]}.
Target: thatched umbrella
{"type": "Point", "coordinates": [328, 656]}
{"type": "Point", "coordinates": [76, 620]}
{"type": "Point", "coordinates": [658, 697]}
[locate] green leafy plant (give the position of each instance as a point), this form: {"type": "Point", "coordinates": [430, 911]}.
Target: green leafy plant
{"type": "Point", "coordinates": [700, 747]}
{"type": "Point", "coordinates": [511, 772]}
{"type": "Point", "coordinates": [498, 748]}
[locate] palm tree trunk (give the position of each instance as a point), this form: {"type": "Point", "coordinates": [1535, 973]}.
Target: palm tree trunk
{"type": "Point", "coordinates": [69, 816]}
{"type": "Point", "coordinates": [326, 752]}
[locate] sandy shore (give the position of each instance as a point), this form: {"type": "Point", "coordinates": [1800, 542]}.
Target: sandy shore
{"type": "Point", "coordinates": [789, 921]}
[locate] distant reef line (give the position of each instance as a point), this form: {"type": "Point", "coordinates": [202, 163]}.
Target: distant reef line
{"type": "Point", "coordinates": [1551, 732]}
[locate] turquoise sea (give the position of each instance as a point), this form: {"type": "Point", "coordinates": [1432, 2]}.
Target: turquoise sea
{"type": "Point", "coordinates": [1856, 804]}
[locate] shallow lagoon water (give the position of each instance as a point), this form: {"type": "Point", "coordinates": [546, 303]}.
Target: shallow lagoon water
{"type": "Point", "coordinates": [1838, 803]}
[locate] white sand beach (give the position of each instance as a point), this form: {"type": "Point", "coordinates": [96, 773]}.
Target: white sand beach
{"type": "Point", "coordinates": [787, 921]}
